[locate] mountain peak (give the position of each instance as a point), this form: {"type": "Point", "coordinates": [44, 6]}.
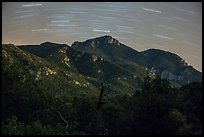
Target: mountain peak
{"type": "Point", "coordinates": [107, 39]}
{"type": "Point", "coordinates": [97, 42]}
{"type": "Point", "coordinates": [51, 43]}
{"type": "Point", "coordinates": [8, 45]}
{"type": "Point", "coordinates": [46, 43]}
{"type": "Point", "coordinates": [106, 36]}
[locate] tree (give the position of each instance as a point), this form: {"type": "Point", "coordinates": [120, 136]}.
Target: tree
{"type": "Point", "coordinates": [102, 94]}
{"type": "Point", "coordinates": [151, 108]}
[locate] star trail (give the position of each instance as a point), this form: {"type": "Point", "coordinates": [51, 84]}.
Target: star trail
{"type": "Point", "coordinates": [172, 26]}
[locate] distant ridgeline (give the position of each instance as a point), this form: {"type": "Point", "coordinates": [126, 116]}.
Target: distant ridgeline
{"type": "Point", "coordinates": [45, 86]}
{"type": "Point", "coordinates": [106, 59]}
{"type": "Point", "coordinates": [164, 64]}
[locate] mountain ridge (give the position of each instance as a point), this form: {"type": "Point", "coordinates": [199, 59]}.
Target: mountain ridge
{"type": "Point", "coordinates": [86, 64]}
{"type": "Point", "coordinates": [164, 63]}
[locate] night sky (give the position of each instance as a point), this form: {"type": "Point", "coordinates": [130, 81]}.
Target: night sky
{"type": "Point", "coordinates": [175, 27]}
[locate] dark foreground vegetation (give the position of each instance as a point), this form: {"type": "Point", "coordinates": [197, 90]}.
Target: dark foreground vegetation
{"type": "Point", "coordinates": [31, 107]}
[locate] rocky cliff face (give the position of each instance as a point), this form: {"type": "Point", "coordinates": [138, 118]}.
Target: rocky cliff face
{"type": "Point", "coordinates": [183, 77]}
{"type": "Point", "coordinates": [171, 76]}
{"type": "Point", "coordinates": [111, 40]}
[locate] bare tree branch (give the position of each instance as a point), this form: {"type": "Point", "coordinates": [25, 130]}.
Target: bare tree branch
{"type": "Point", "coordinates": [107, 93]}
{"type": "Point", "coordinates": [100, 97]}
{"type": "Point", "coordinates": [63, 119]}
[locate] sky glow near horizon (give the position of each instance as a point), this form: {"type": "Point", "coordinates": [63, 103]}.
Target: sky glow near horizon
{"type": "Point", "coordinates": [170, 26]}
